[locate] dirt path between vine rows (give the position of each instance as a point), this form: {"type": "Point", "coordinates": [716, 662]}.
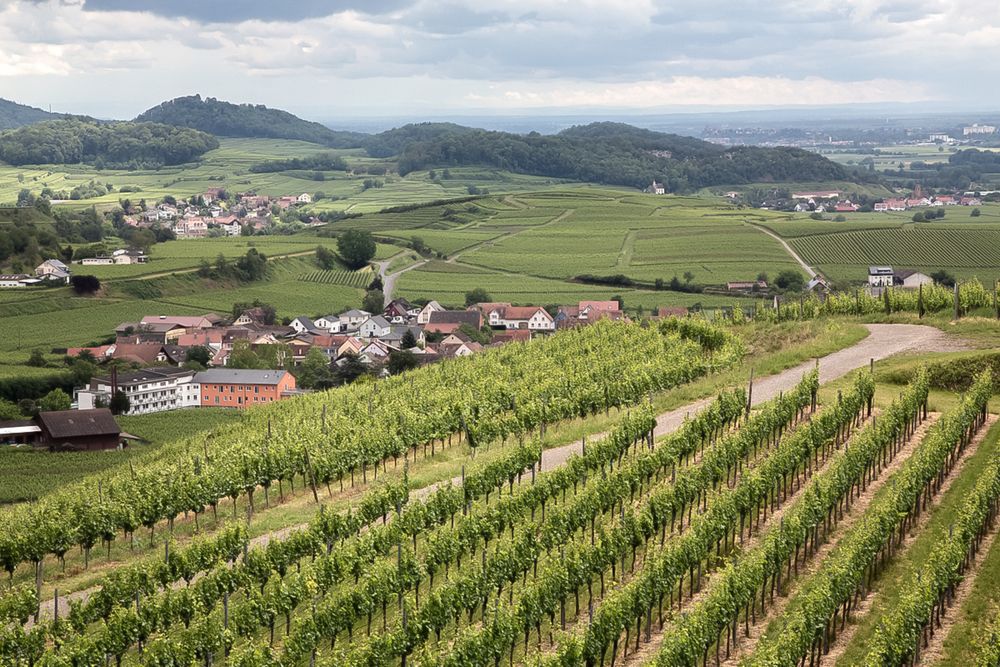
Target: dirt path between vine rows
{"type": "Point", "coordinates": [843, 640]}
{"type": "Point", "coordinates": [860, 505]}
{"type": "Point", "coordinates": [884, 340]}
{"type": "Point", "coordinates": [934, 652]}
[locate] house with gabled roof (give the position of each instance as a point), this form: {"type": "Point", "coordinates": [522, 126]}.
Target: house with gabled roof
{"type": "Point", "coordinates": [506, 316]}
{"type": "Point", "coordinates": [374, 327]}
{"type": "Point", "coordinates": [448, 321]}
{"type": "Point", "coordinates": [424, 316]}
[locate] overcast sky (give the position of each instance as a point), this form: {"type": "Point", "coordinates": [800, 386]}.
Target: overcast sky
{"type": "Point", "coordinates": [321, 58]}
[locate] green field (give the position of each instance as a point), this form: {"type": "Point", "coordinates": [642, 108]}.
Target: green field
{"type": "Point", "coordinates": [30, 474]}
{"type": "Point", "coordinates": [965, 246]}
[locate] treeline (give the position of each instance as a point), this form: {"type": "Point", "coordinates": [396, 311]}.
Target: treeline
{"type": "Point", "coordinates": [117, 145]}
{"type": "Point", "coordinates": [964, 170]}
{"type": "Point", "coordinates": [226, 119]}
{"type": "Point", "coordinates": [615, 154]}
{"type": "Point", "coordinates": [318, 162]}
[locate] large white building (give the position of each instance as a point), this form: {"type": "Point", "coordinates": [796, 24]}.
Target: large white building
{"type": "Point", "coordinates": [976, 128]}
{"type": "Point", "coordinates": [148, 390]}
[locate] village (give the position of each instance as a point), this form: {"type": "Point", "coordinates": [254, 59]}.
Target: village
{"type": "Point", "coordinates": [215, 213]}
{"type": "Point", "coordinates": [170, 362]}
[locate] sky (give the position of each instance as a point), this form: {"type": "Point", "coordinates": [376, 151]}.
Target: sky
{"type": "Point", "coordinates": [324, 58]}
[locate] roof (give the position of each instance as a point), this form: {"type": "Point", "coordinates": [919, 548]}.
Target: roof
{"type": "Point", "coordinates": [377, 320]}
{"type": "Point", "coordinates": [144, 375]}
{"type": "Point", "coordinates": [880, 270]}
{"type": "Point", "coordinates": [144, 353]}
{"type": "Point", "coordinates": [186, 321]}
{"type": "Point", "coordinates": [79, 423]}
{"type": "Point", "coordinates": [906, 273]}
{"type": "Point", "coordinates": [239, 376]}
{"type": "Point", "coordinates": [305, 321]}
{"type": "Point", "coordinates": [471, 317]}
{"type": "Point", "coordinates": [56, 263]}
{"type": "Point", "coordinates": [354, 312]}
{"type": "Point", "coordinates": [19, 427]}
{"type": "Point", "coordinates": [599, 305]}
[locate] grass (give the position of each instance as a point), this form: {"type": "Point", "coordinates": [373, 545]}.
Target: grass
{"type": "Point", "coordinates": [28, 474]}
{"type": "Point", "coordinates": [905, 567]}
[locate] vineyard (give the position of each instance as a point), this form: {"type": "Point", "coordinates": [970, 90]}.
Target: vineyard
{"type": "Point", "coordinates": [752, 534]}
{"type": "Point", "coordinates": [338, 277]}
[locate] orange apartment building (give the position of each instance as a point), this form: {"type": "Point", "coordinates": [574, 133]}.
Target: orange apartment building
{"type": "Point", "coordinates": [242, 388]}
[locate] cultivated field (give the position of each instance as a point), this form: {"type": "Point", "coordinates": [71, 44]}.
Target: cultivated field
{"type": "Point", "coordinates": [785, 535]}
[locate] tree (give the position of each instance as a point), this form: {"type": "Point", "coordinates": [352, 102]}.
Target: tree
{"type": "Point", "coordinates": [57, 399]}
{"type": "Point", "coordinates": [942, 277]}
{"type": "Point", "coordinates": [82, 371]}
{"type": "Point", "coordinates": [119, 403]}
{"type": "Point", "coordinates": [481, 336]}
{"type": "Point", "coordinates": [408, 340]}
{"type": "Point", "coordinates": [976, 213]}
{"type": "Point", "coordinates": [200, 355]}
{"type": "Point", "coordinates": [790, 280]}
{"type": "Point", "coordinates": [325, 258]}
{"type": "Point", "coordinates": [85, 284]}
{"type": "Point", "coordinates": [919, 217]}
{"type": "Point", "coordinates": [401, 360]}
{"type": "Point", "coordinates": [477, 295]}
{"type": "Point", "coordinates": [9, 411]}
{"type": "Point", "coordinates": [376, 283]}
{"type": "Point", "coordinates": [26, 406]}
{"type": "Point", "coordinates": [36, 359]}
{"type": "Point", "coordinates": [374, 301]}
{"type": "Point", "coordinates": [417, 245]}
{"type": "Point", "coordinates": [658, 284]}
{"type": "Point", "coordinates": [243, 356]}
{"type": "Point", "coordinates": [314, 372]}
{"type": "Point", "coordinates": [356, 247]}
{"type": "Point", "coordinates": [688, 276]}
{"type": "Point", "coordinates": [349, 369]}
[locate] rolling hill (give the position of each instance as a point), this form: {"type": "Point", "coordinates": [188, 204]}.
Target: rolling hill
{"type": "Point", "coordinates": [225, 119]}
{"type": "Point", "coordinates": [13, 115]}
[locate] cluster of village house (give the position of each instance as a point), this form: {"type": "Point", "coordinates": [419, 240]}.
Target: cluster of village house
{"type": "Point", "coordinates": [832, 202]}
{"type": "Point", "coordinates": [159, 343]}
{"type": "Point", "coordinates": [190, 221]}
{"type": "Point", "coordinates": [49, 272]}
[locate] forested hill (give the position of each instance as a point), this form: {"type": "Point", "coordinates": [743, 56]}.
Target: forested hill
{"type": "Point", "coordinates": [121, 144]}
{"type": "Point", "coordinates": [14, 115]}
{"type": "Point", "coordinates": [225, 119]}
{"type": "Point", "coordinates": [609, 153]}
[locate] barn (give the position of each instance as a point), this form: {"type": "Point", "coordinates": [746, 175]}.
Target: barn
{"type": "Point", "coordinates": [79, 429]}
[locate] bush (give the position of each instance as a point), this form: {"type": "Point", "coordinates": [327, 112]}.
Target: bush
{"type": "Point", "coordinates": [85, 284]}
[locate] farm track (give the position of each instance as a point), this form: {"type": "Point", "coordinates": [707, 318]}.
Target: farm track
{"type": "Point", "coordinates": [810, 271]}
{"type": "Point", "coordinates": [860, 614]}
{"type": "Point", "coordinates": [883, 341]}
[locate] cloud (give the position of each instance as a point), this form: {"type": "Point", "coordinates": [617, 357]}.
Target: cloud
{"type": "Point", "coordinates": [449, 53]}
{"type": "Point", "coordinates": [698, 91]}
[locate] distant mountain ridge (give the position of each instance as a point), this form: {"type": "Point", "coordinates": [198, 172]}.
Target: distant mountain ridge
{"type": "Point", "coordinates": [225, 119]}
{"type": "Point", "coordinates": [14, 115]}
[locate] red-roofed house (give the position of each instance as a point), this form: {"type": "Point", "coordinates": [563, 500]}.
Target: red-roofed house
{"type": "Point", "coordinates": [534, 318]}
{"type": "Point", "coordinates": [448, 321]}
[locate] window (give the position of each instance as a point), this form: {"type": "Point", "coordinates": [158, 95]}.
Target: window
{"type": "Point", "coordinates": [216, 400]}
